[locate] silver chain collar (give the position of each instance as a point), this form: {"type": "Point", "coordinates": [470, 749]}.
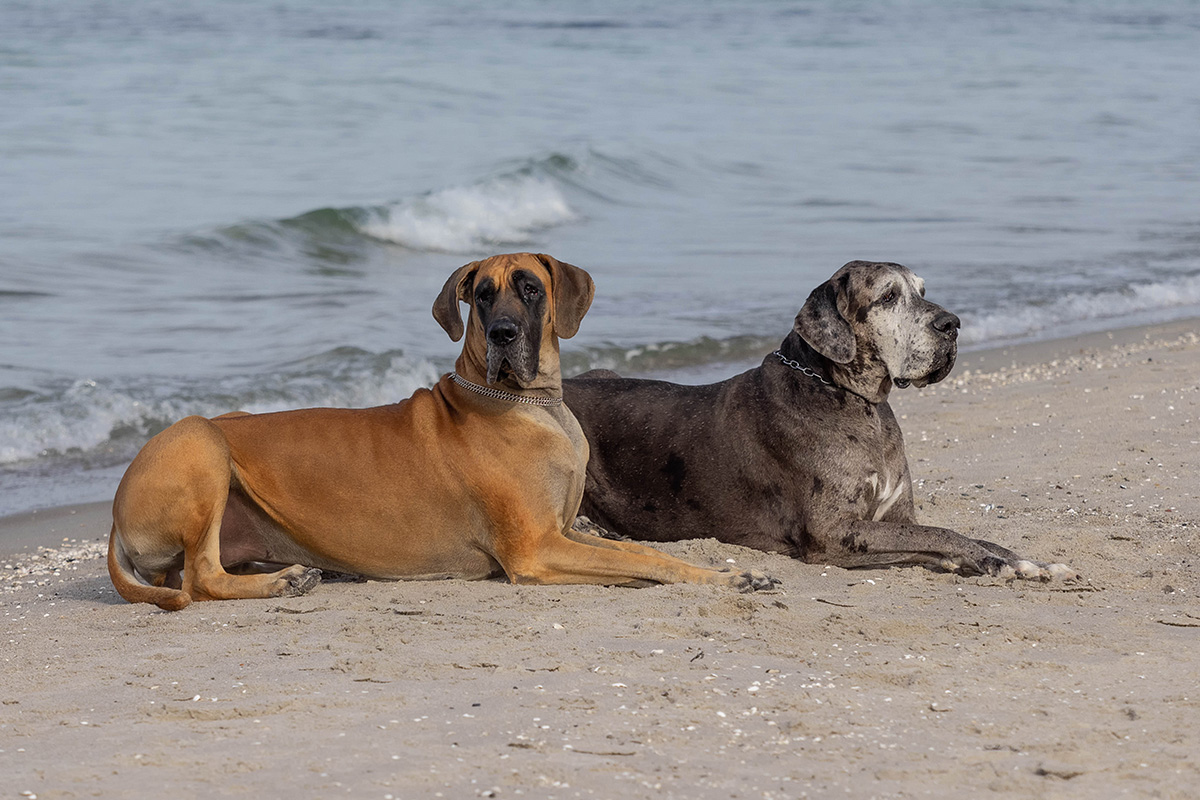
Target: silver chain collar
{"type": "Point", "coordinates": [796, 365]}
{"type": "Point", "coordinates": [497, 394]}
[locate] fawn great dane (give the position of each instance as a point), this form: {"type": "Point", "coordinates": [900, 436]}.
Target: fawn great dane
{"type": "Point", "coordinates": [477, 477]}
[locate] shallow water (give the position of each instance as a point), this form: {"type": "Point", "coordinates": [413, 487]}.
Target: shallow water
{"type": "Point", "coordinates": [253, 205]}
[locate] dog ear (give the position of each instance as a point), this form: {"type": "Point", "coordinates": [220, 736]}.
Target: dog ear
{"type": "Point", "coordinates": [573, 293]}
{"type": "Point", "coordinates": [822, 325]}
{"type": "Point", "coordinates": [445, 308]}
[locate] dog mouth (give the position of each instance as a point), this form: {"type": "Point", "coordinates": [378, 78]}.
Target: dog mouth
{"type": "Point", "coordinates": [514, 361]}
{"type": "Point", "coordinates": [936, 374]}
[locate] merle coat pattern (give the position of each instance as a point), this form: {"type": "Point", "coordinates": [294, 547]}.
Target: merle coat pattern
{"type": "Point", "coordinates": [810, 465]}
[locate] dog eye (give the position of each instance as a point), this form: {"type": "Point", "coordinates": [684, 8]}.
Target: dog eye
{"type": "Point", "coordinates": [485, 295]}
{"type": "Point", "coordinates": [531, 291]}
{"type": "Point", "coordinates": [889, 298]}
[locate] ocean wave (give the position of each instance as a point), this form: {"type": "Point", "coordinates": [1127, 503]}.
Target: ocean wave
{"type": "Point", "coordinates": [109, 420]}
{"type": "Point", "coordinates": [1044, 320]}
{"type": "Point", "coordinates": [101, 422]}
{"type": "Point", "coordinates": [1069, 314]}
{"type": "Point", "coordinates": [510, 207]}
{"type": "Point", "coordinates": [503, 210]}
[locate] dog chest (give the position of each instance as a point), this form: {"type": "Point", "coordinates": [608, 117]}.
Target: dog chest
{"type": "Point", "coordinates": [886, 489]}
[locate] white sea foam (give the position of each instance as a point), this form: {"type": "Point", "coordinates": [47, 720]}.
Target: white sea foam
{"type": "Point", "coordinates": [90, 415]}
{"type": "Point", "coordinates": [462, 219]}
{"type": "Point", "coordinates": [1046, 321]}
{"type": "Point", "coordinates": [81, 418]}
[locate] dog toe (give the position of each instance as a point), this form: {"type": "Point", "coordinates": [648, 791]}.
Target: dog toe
{"type": "Point", "coordinates": [302, 582]}
{"type": "Point", "coordinates": [770, 582]}
{"type": "Point", "coordinates": [1035, 571]}
{"type": "Point", "coordinates": [1030, 570]}
{"type": "Point", "coordinates": [1062, 572]}
{"type": "Point", "coordinates": [754, 581]}
{"type": "Point", "coordinates": [996, 567]}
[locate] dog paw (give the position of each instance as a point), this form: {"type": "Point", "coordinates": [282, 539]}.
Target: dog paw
{"type": "Point", "coordinates": [1036, 571]}
{"type": "Point", "coordinates": [990, 565]}
{"type": "Point", "coordinates": [753, 580]}
{"type": "Point", "coordinates": [1061, 572]}
{"type": "Point", "coordinates": [1029, 570]}
{"type": "Point", "coordinates": [302, 582]}
{"type": "Point", "coordinates": [583, 524]}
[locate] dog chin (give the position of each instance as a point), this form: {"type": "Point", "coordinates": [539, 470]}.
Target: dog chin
{"type": "Point", "coordinates": [500, 366]}
{"type": "Point", "coordinates": [935, 375]}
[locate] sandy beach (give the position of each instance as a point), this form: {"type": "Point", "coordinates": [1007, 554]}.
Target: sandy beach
{"type": "Point", "coordinates": [885, 683]}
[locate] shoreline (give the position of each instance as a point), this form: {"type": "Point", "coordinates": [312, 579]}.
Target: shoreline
{"type": "Point", "coordinates": [861, 683]}
{"type": "Point", "coordinates": [21, 534]}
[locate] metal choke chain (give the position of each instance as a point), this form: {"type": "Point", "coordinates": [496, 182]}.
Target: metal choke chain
{"type": "Point", "coordinates": [497, 394]}
{"type": "Point", "coordinates": [796, 365]}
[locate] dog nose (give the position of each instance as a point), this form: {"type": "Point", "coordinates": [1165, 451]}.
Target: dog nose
{"type": "Point", "coordinates": [947, 324]}
{"type": "Point", "coordinates": [502, 332]}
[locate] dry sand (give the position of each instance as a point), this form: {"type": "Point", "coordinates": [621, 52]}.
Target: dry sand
{"type": "Point", "coordinates": [886, 683]}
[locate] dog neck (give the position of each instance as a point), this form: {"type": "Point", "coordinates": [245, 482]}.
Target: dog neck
{"type": "Point", "coordinates": [797, 351]}
{"type": "Point", "coordinates": [546, 385]}
{"type": "Point", "coordinates": [860, 377]}
{"type": "Point", "coordinates": [498, 394]}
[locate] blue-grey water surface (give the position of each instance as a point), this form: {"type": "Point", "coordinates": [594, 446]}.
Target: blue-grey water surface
{"type": "Point", "coordinates": [252, 204]}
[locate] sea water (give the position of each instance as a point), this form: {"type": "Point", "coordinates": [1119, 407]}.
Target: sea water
{"type": "Point", "coordinates": [253, 204]}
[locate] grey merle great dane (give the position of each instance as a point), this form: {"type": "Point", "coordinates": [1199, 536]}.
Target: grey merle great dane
{"type": "Point", "coordinates": [801, 455]}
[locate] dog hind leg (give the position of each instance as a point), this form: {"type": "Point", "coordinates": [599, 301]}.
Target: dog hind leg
{"type": "Point", "coordinates": [170, 504]}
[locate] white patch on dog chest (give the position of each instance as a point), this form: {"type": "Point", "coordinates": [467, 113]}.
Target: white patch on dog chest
{"type": "Point", "coordinates": [885, 496]}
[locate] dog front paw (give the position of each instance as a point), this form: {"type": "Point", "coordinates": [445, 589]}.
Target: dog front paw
{"type": "Point", "coordinates": [1062, 572]}
{"type": "Point", "coordinates": [753, 580]}
{"type": "Point", "coordinates": [994, 566]}
{"type": "Point", "coordinates": [301, 582]}
{"type": "Point", "coordinates": [1035, 571]}
{"type": "Point", "coordinates": [1014, 569]}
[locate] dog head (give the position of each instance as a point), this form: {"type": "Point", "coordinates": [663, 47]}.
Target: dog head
{"type": "Point", "coordinates": [521, 304]}
{"type": "Point", "coordinates": [871, 319]}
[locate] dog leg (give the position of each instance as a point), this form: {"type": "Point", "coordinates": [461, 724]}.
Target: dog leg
{"type": "Point", "coordinates": [1017, 567]}
{"type": "Point", "coordinates": [204, 578]}
{"type": "Point", "coordinates": [170, 504]}
{"type": "Point", "coordinates": [864, 543]}
{"type": "Point", "coordinates": [621, 544]}
{"type": "Point", "coordinates": [571, 557]}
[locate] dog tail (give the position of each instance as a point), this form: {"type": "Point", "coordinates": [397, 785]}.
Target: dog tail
{"type": "Point", "coordinates": [127, 584]}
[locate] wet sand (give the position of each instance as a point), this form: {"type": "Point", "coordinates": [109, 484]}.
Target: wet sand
{"type": "Point", "coordinates": [883, 683]}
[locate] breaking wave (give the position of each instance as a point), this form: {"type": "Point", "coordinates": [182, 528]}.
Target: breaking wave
{"type": "Point", "coordinates": [508, 208]}
{"type": "Point", "coordinates": [1080, 311]}
{"type": "Point", "coordinates": [505, 210]}
{"type": "Point", "coordinates": [109, 420]}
